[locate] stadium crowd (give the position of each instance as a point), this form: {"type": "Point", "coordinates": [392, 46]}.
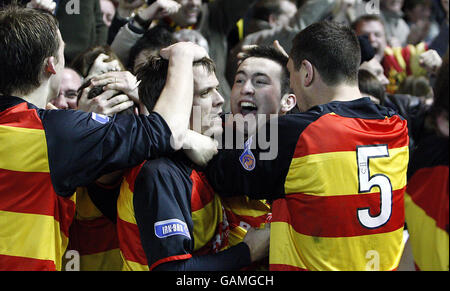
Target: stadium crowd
{"type": "Point", "coordinates": [224, 135]}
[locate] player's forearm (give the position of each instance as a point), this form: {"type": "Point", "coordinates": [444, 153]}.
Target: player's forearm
{"type": "Point", "coordinates": [175, 102]}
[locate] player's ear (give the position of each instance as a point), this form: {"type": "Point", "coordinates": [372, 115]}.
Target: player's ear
{"type": "Point", "coordinates": [50, 66]}
{"type": "Point", "coordinates": [309, 73]}
{"type": "Point", "coordinates": [288, 101]}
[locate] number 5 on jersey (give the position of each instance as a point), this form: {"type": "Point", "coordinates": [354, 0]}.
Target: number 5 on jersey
{"type": "Point", "coordinates": [367, 182]}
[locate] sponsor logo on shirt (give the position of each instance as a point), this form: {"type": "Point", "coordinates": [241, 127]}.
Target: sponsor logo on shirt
{"type": "Point", "coordinates": [100, 118]}
{"type": "Point", "coordinates": [247, 158]}
{"type": "Point", "coordinates": [171, 227]}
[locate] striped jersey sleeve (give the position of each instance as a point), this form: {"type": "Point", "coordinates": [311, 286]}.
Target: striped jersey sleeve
{"type": "Point", "coordinates": [84, 146]}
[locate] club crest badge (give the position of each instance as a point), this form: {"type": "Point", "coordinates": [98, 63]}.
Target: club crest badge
{"type": "Point", "coordinates": [247, 158]}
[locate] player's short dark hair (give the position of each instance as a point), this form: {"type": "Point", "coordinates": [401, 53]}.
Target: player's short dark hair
{"type": "Point", "coordinates": [369, 84]}
{"type": "Point", "coordinates": [96, 91]}
{"type": "Point", "coordinates": [154, 39]}
{"type": "Point", "coordinates": [153, 75]}
{"type": "Point", "coordinates": [332, 48]}
{"type": "Point", "coordinates": [27, 37]}
{"type": "Point", "coordinates": [269, 52]}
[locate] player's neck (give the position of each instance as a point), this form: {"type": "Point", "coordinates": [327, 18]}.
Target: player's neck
{"type": "Point", "coordinates": [342, 92]}
{"type": "Point", "coordinates": [38, 97]}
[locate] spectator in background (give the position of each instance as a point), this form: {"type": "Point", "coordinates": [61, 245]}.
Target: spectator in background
{"type": "Point", "coordinates": [396, 28]}
{"type": "Point", "coordinates": [214, 20]}
{"type": "Point", "coordinates": [398, 62]}
{"type": "Point", "coordinates": [269, 18]}
{"type": "Point", "coordinates": [418, 17]}
{"type": "Point", "coordinates": [81, 26]}
{"type": "Point", "coordinates": [108, 9]}
{"type": "Point", "coordinates": [440, 43]}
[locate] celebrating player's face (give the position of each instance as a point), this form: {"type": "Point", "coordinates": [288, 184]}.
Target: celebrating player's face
{"type": "Point", "coordinates": [257, 87]}
{"type": "Point", "coordinates": [207, 103]}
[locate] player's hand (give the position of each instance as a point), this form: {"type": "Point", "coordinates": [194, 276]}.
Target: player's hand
{"type": "Point", "coordinates": [101, 66]}
{"type": "Point", "coordinates": [200, 149]}
{"type": "Point", "coordinates": [184, 50]}
{"type": "Point", "coordinates": [107, 103]}
{"type": "Point", "coordinates": [160, 9]}
{"type": "Point", "coordinates": [246, 48]}
{"type": "Point", "coordinates": [430, 61]}
{"type": "Point", "coordinates": [122, 81]}
{"type": "Point", "coordinates": [47, 5]}
{"type": "Point", "coordinates": [258, 241]}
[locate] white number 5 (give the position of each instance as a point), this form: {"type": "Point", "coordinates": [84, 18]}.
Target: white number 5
{"type": "Point", "coordinates": [367, 182]}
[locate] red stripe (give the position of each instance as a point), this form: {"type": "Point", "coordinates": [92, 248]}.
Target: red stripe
{"type": "Point", "coordinates": [93, 236]}
{"type": "Point", "coordinates": [202, 192]}
{"type": "Point", "coordinates": [235, 220]}
{"type": "Point", "coordinates": [390, 62]}
{"type": "Point", "coordinates": [130, 242]}
{"type": "Point", "coordinates": [169, 259]}
{"type": "Point", "coordinates": [131, 174]}
{"type": "Point", "coordinates": [21, 116]}
{"type": "Point", "coordinates": [33, 193]}
{"type": "Point", "coordinates": [391, 131]}
{"type": "Point", "coordinates": [13, 263]}
{"type": "Point", "coordinates": [428, 188]}
{"type": "Point", "coordinates": [281, 267]}
{"type": "Point", "coordinates": [406, 53]}
{"type": "Point", "coordinates": [335, 216]}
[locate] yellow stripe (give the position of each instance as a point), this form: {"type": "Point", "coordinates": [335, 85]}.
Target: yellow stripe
{"type": "Point", "coordinates": [104, 261]}
{"type": "Point", "coordinates": [430, 244]}
{"type": "Point", "coordinates": [85, 208]}
{"type": "Point", "coordinates": [336, 173]}
{"type": "Point", "coordinates": [240, 26]}
{"type": "Point", "coordinates": [370, 252]}
{"type": "Point", "coordinates": [205, 222]}
{"type": "Point", "coordinates": [398, 55]}
{"type": "Point", "coordinates": [133, 266]}
{"type": "Point", "coordinates": [414, 61]}
{"type": "Point", "coordinates": [30, 149]}
{"type": "Point", "coordinates": [125, 208]}
{"type": "Point", "coordinates": [244, 206]}
{"type": "Point", "coordinates": [236, 235]}
{"type": "Point", "coordinates": [31, 236]}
